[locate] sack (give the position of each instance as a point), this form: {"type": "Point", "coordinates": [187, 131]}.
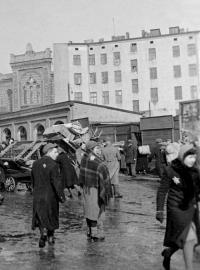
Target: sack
{"type": "Point", "coordinates": [144, 150]}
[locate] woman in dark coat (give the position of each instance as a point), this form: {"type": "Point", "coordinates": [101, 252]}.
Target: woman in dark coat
{"type": "Point", "coordinates": [181, 181]}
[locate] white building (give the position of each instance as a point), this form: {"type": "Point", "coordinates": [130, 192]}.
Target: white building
{"type": "Point", "coordinates": [151, 73]}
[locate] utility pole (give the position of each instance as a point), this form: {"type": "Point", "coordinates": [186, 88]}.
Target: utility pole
{"type": "Point", "coordinates": [68, 90]}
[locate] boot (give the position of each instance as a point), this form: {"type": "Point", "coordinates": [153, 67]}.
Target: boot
{"type": "Point", "coordinates": [116, 192]}
{"type": "Point", "coordinates": [89, 233]}
{"type": "Point", "coordinates": [95, 235]}
{"type": "Point", "coordinates": [50, 237]}
{"type": "Point", "coordinates": [167, 253]}
{"type": "Point", "coordinates": [42, 241]}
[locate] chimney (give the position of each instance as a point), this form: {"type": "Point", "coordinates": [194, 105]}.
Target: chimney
{"type": "Point", "coordinates": [127, 35]}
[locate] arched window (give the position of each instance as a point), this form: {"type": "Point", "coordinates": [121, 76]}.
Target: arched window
{"type": "Point", "coordinates": [6, 134]}
{"type": "Point", "coordinates": [22, 133]}
{"type": "Point", "coordinates": [32, 91]}
{"type": "Point", "coordinates": [40, 131]}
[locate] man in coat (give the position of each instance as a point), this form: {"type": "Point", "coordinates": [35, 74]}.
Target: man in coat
{"type": "Point", "coordinates": [47, 193]}
{"type": "Point", "coordinates": [130, 150]}
{"type": "Point", "coordinates": [112, 157]}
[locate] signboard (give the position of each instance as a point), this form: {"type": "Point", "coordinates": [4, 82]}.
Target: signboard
{"type": "Point", "coordinates": [190, 117]}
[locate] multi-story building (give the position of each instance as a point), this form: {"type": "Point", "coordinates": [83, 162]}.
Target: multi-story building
{"type": "Point", "coordinates": [151, 73]}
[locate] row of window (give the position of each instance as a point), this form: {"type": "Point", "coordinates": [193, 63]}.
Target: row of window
{"type": "Point", "coordinates": [153, 96]}
{"type": "Point", "coordinates": [105, 97]}
{"type": "Point", "coordinates": [177, 93]}
{"type": "Point", "coordinates": [191, 50]}
{"type": "Point", "coordinates": [192, 69]}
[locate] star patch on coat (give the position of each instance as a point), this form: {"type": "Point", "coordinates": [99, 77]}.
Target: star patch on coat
{"type": "Point", "coordinates": [44, 165]}
{"type": "Point", "coordinates": [176, 180]}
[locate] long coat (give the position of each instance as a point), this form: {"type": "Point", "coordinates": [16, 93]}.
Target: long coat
{"type": "Point", "coordinates": [112, 157]}
{"type": "Point", "coordinates": [130, 151]}
{"type": "Point", "coordinates": [47, 193]}
{"type": "Point", "coordinates": [67, 170]}
{"type": "Point", "coordinates": [182, 185]}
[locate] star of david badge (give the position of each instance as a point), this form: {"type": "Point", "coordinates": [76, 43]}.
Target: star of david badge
{"type": "Point", "coordinates": [44, 165]}
{"type": "Point", "coordinates": [176, 180]}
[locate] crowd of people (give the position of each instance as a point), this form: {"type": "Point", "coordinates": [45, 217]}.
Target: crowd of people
{"type": "Point", "coordinates": [96, 179]}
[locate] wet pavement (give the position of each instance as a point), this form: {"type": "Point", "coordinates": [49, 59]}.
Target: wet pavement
{"type": "Point", "coordinates": [133, 236]}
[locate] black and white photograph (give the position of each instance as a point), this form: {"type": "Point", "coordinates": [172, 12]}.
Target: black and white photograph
{"type": "Point", "coordinates": [99, 135]}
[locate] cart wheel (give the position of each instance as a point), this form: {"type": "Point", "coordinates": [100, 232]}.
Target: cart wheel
{"type": "Point", "coordinates": [10, 184]}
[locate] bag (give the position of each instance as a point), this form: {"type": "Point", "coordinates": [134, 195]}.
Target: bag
{"type": "Point", "coordinates": [144, 150]}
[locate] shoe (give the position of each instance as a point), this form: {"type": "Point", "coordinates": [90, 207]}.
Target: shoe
{"type": "Point", "coordinates": [51, 240]}
{"type": "Point", "coordinates": [118, 196]}
{"type": "Point", "coordinates": [42, 241]}
{"type": "Point", "coordinates": [96, 236]}
{"type": "Point", "coordinates": [167, 258]}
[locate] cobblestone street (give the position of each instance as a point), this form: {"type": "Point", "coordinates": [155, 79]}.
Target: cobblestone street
{"type": "Point", "coordinates": [133, 236]}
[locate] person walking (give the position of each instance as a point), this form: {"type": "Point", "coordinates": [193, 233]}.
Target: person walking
{"type": "Point", "coordinates": [130, 150]}
{"type": "Point", "coordinates": [95, 181]}
{"type": "Point", "coordinates": [180, 180]}
{"type": "Point", "coordinates": [112, 157]}
{"type": "Point", "coordinates": [47, 193]}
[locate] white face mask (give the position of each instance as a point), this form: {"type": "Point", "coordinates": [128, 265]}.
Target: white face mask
{"type": "Point", "coordinates": [190, 160]}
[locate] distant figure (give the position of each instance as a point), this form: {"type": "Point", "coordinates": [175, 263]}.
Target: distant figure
{"type": "Point", "coordinates": [112, 157]}
{"type": "Point", "coordinates": [11, 141]}
{"type": "Point", "coordinates": [47, 193]}
{"type": "Point", "coordinates": [158, 153]}
{"type": "Point", "coordinates": [130, 151]}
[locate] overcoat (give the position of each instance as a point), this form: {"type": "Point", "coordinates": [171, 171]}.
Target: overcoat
{"type": "Point", "coordinates": [183, 187]}
{"type": "Point", "coordinates": [112, 157]}
{"type": "Point", "coordinates": [47, 193]}
{"type": "Point", "coordinates": [67, 170]}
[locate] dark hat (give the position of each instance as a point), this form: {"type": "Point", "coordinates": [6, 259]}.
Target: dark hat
{"type": "Point", "coordinates": [48, 146]}
{"type": "Point", "coordinates": [91, 145]}
{"type": "Point", "coordinates": [185, 150]}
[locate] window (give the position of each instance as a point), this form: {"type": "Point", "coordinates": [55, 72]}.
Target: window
{"type": "Point", "coordinates": [116, 58]}
{"type": "Point", "coordinates": [152, 54]}
{"type": "Point", "coordinates": [153, 73]}
{"type": "Point", "coordinates": [177, 71]}
{"type": "Point", "coordinates": [118, 96]}
{"type": "Point", "coordinates": [104, 76]}
{"type": "Point", "coordinates": [92, 78]}
{"type": "Point", "coordinates": [93, 97]}
{"type": "Point", "coordinates": [91, 59]}
{"type": "Point", "coordinates": [178, 92]}
{"type": "Point", "coordinates": [176, 51]}
{"type": "Point", "coordinates": [133, 47]}
{"type": "Point", "coordinates": [193, 91]}
{"type": "Point", "coordinates": [134, 67]}
{"type": "Point", "coordinates": [105, 97]}
{"type": "Point", "coordinates": [192, 70]}
{"type": "Point", "coordinates": [191, 49]}
{"type": "Point", "coordinates": [77, 78]}
{"type": "Point", "coordinates": [103, 58]}
{"type": "Point", "coordinates": [78, 96]}
{"type": "Point", "coordinates": [135, 88]}
{"type": "Point", "coordinates": [77, 60]}
{"type": "Point", "coordinates": [118, 76]}
{"type": "Point", "coordinates": [154, 95]}
{"type": "Point", "coordinates": [136, 105]}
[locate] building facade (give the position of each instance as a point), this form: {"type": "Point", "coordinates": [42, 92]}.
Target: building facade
{"type": "Point", "coordinates": [31, 82]}
{"type": "Point", "coordinates": [151, 73]}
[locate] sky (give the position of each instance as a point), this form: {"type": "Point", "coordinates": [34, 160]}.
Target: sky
{"type": "Point", "coordinates": [44, 22]}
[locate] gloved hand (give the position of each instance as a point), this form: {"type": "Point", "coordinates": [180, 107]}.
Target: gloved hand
{"type": "Point", "coordinates": [160, 216]}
